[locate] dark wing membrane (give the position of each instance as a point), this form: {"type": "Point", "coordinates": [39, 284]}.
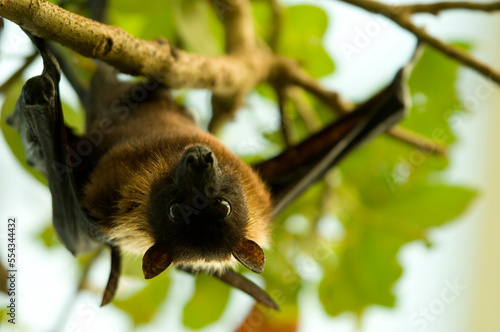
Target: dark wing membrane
{"type": "Point", "coordinates": [296, 169]}
{"type": "Point", "coordinates": [39, 119]}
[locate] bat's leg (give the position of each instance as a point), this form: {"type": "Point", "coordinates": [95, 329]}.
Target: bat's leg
{"type": "Point", "coordinates": [114, 276]}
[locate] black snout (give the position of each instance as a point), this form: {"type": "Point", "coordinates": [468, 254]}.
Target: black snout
{"type": "Point", "coordinates": [199, 159]}
{"type": "Point", "coordinates": [198, 167]}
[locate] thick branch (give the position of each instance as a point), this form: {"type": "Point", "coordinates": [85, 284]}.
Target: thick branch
{"type": "Point", "coordinates": [403, 19]}
{"type": "Point", "coordinates": [175, 68]}
{"type": "Point", "coordinates": [228, 76]}
{"type": "Point", "coordinates": [436, 8]}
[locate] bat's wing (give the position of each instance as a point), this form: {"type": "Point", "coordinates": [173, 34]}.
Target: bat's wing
{"type": "Point", "coordinates": [294, 170]}
{"type": "Point", "coordinates": [39, 119]}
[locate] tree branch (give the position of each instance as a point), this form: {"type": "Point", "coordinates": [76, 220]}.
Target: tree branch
{"type": "Point", "coordinates": [277, 11]}
{"type": "Point", "coordinates": [163, 62]}
{"type": "Point", "coordinates": [436, 8]}
{"type": "Point", "coordinates": [403, 19]}
{"type": "Point", "coordinates": [285, 127]}
{"type": "Point", "coordinates": [229, 77]}
{"type": "Point", "coordinates": [306, 112]}
{"type": "Point", "coordinates": [293, 75]}
{"type": "Point", "coordinates": [419, 141]}
{"type": "Point", "coordinates": [240, 40]}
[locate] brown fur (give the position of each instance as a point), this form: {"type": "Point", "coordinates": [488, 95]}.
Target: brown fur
{"type": "Point", "coordinates": [141, 148]}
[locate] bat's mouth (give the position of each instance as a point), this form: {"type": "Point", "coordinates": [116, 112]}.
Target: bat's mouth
{"type": "Point", "coordinates": [208, 266]}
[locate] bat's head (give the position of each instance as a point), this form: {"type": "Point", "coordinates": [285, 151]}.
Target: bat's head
{"type": "Point", "coordinates": [199, 217]}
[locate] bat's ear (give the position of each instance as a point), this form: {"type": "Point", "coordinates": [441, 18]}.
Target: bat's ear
{"type": "Point", "coordinates": [250, 255]}
{"type": "Point", "coordinates": [155, 261]}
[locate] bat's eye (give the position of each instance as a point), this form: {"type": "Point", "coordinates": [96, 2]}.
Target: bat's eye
{"type": "Point", "coordinates": [175, 211]}
{"type": "Point", "coordinates": [223, 208]}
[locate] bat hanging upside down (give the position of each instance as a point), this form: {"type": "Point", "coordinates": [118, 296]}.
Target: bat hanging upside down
{"type": "Point", "coordinates": [166, 189]}
{"type": "Point", "coordinates": [145, 179]}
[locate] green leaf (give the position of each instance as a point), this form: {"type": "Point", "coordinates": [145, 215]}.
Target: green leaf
{"type": "Point", "coordinates": [367, 269]}
{"type": "Point", "coordinates": [156, 19]}
{"type": "Point", "coordinates": [266, 90]}
{"type": "Point", "coordinates": [302, 39]}
{"type": "Point", "coordinates": [199, 27]}
{"type": "Point", "coordinates": [143, 305]}
{"type": "Point", "coordinates": [11, 135]}
{"type": "Point", "coordinates": [428, 205]}
{"type": "Point", "coordinates": [389, 194]}
{"type": "Point", "coordinates": [48, 237]}
{"type": "Point", "coordinates": [208, 302]}
{"type": "Point", "coordinates": [385, 165]}
{"type": "Point", "coordinates": [432, 86]}
{"type": "Point", "coordinates": [262, 19]}
{"type": "Point", "coordinates": [367, 266]}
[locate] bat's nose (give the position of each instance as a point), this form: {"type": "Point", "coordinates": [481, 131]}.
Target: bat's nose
{"type": "Point", "coordinates": [199, 159]}
{"type": "Point", "coordinates": [198, 168]}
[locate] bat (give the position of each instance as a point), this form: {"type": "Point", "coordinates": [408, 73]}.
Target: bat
{"type": "Point", "coordinates": [145, 179]}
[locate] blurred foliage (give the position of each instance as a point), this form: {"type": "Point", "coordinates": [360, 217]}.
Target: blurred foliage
{"type": "Point", "coordinates": [48, 237]}
{"type": "Point", "coordinates": [383, 196]}
{"type": "Point", "coordinates": [304, 41]}
{"type": "Point", "coordinates": [143, 305]}
{"type": "Point", "coordinates": [208, 302]}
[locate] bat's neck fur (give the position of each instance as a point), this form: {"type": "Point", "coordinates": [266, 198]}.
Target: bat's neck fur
{"type": "Point", "coordinates": [142, 148]}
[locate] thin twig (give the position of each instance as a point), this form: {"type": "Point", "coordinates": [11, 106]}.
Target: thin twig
{"type": "Point", "coordinates": [238, 22]}
{"type": "Point", "coordinates": [285, 128]}
{"type": "Point", "coordinates": [14, 77]}
{"type": "Point", "coordinates": [240, 40]}
{"type": "Point", "coordinates": [419, 141]}
{"type": "Point", "coordinates": [403, 19]}
{"type": "Point", "coordinates": [294, 75]}
{"type": "Point", "coordinates": [277, 12]}
{"type": "Point", "coordinates": [437, 7]}
{"type": "Point", "coordinates": [306, 112]}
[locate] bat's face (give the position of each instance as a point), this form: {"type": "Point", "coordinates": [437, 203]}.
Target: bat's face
{"type": "Point", "coordinates": [199, 216]}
